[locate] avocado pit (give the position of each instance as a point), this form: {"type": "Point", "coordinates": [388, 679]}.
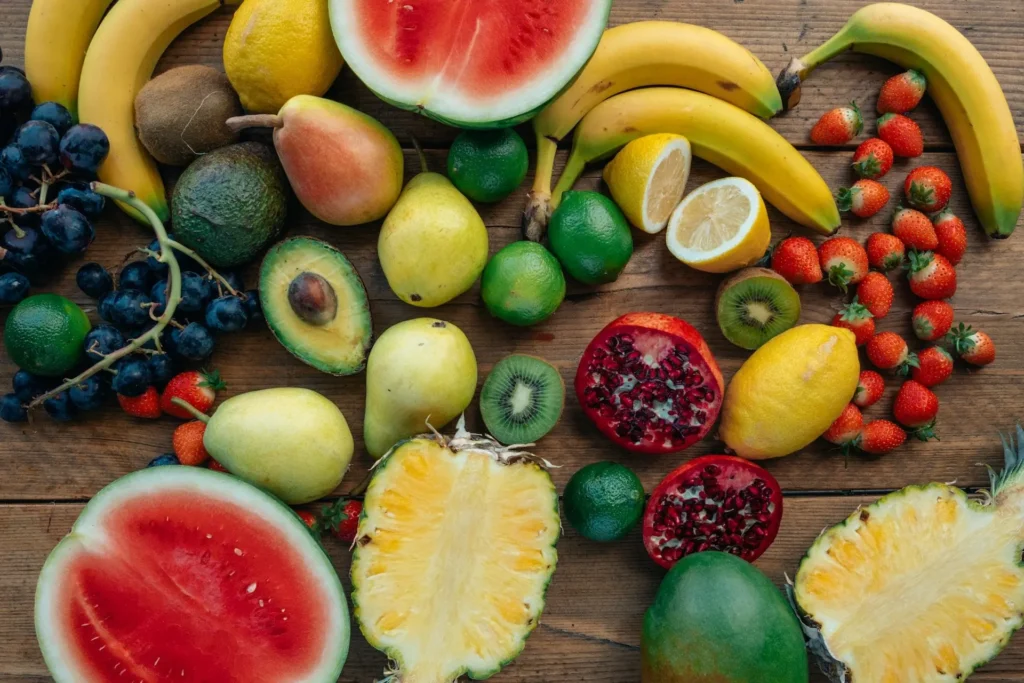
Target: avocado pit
{"type": "Point", "coordinates": [312, 298]}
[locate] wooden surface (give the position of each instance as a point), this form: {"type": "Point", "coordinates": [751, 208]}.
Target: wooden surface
{"type": "Point", "coordinates": [590, 630]}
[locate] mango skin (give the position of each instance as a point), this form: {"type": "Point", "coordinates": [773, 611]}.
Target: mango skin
{"type": "Point", "coordinates": [292, 442]}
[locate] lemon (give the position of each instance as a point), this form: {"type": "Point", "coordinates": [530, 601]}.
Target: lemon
{"type": "Point", "coordinates": [790, 391]}
{"type": "Point", "coordinates": [276, 49]}
{"type": "Point", "coordinates": [647, 179]}
{"type": "Point", "coordinates": [720, 227]}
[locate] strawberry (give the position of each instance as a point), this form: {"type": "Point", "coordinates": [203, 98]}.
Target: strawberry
{"type": "Point", "coordinates": [188, 443]}
{"type": "Point", "coordinates": [864, 199]}
{"type": "Point", "coordinates": [935, 365]}
{"type": "Point", "coordinates": [846, 428]}
{"type": "Point", "coordinates": [881, 436]}
{"type": "Point", "coordinates": [928, 189]}
{"type": "Point", "coordinates": [146, 406]}
{"type": "Point", "coordinates": [902, 92]}
{"type": "Point", "coordinates": [914, 229]}
{"type": "Point", "coordinates": [342, 518]}
{"type": "Point", "coordinates": [870, 388]}
{"type": "Point", "coordinates": [838, 126]}
{"type": "Point", "coordinates": [931, 275]}
{"type": "Point", "coordinates": [902, 134]}
{"type": "Point", "coordinates": [858, 319]}
{"type": "Point", "coordinates": [932, 320]}
{"type": "Point", "coordinates": [885, 251]}
{"type": "Point", "coordinates": [199, 389]}
{"type": "Point", "coordinates": [951, 234]}
{"type": "Point", "coordinates": [873, 159]}
{"type": "Point", "coordinates": [888, 351]}
{"type": "Point", "coordinates": [796, 259]}
{"type": "Point", "coordinates": [843, 260]}
{"type": "Point", "coordinates": [975, 347]}
{"type": "Point", "coordinates": [916, 407]}
{"type": "Point", "coordinates": [215, 466]}
{"type": "Point", "coordinates": [308, 518]}
{"type": "Point", "coordinates": [875, 293]}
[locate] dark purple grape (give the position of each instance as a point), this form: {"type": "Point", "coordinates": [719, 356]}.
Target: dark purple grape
{"type": "Point", "coordinates": [84, 148]}
{"type": "Point", "coordinates": [13, 160]}
{"type": "Point", "coordinates": [131, 308]}
{"type": "Point", "coordinates": [68, 230]}
{"type": "Point", "coordinates": [39, 142]}
{"type": "Point", "coordinates": [54, 114]}
{"type": "Point", "coordinates": [164, 460]}
{"type": "Point", "coordinates": [158, 293]}
{"type": "Point", "coordinates": [89, 394]}
{"type": "Point", "coordinates": [60, 407]}
{"type": "Point", "coordinates": [94, 280]}
{"type": "Point", "coordinates": [132, 376]}
{"type": "Point", "coordinates": [27, 386]}
{"type": "Point", "coordinates": [226, 314]}
{"type": "Point", "coordinates": [85, 200]}
{"type": "Point", "coordinates": [253, 307]}
{"type": "Point", "coordinates": [13, 288]}
{"type": "Point", "coordinates": [194, 342]}
{"type": "Point", "coordinates": [161, 368]}
{"type": "Point", "coordinates": [136, 275]}
{"type": "Point", "coordinates": [11, 409]}
{"type": "Point", "coordinates": [101, 341]}
{"type": "Point", "coordinates": [6, 182]}
{"type": "Point", "coordinates": [195, 292]}
{"type": "Point", "coordinates": [15, 90]}
{"type": "Point", "coordinates": [25, 241]}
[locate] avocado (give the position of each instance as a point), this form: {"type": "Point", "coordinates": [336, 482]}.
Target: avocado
{"type": "Point", "coordinates": [315, 304]}
{"type": "Point", "coordinates": [231, 203]}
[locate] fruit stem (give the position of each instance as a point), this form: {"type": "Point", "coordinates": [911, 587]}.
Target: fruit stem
{"type": "Point", "coordinates": [422, 156]}
{"type": "Point", "coordinates": [538, 209]}
{"type": "Point", "coordinates": [190, 409]}
{"type": "Point", "coordinates": [178, 246]}
{"type": "Point", "coordinates": [240, 123]}
{"type": "Point", "coordinates": [799, 68]}
{"type": "Point", "coordinates": [174, 296]}
{"type": "Point", "coordinates": [570, 174]}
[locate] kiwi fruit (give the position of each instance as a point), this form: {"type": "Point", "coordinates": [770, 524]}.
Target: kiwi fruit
{"type": "Point", "coordinates": [522, 399]}
{"type": "Point", "coordinates": [755, 305]}
{"type": "Point", "coordinates": [180, 114]}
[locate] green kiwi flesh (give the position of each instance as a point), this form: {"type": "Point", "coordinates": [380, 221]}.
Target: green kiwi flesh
{"type": "Point", "coordinates": [522, 399]}
{"type": "Point", "coordinates": [755, 305]}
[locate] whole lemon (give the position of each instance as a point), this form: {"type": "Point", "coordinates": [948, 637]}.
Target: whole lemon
{"type": "Point", "coordinates": [789, 391]}
{"type": "Point", "coordinates": [276, 49]}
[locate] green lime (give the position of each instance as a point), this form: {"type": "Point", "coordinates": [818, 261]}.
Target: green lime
{"type": "Point", "coordinates": [603, 501]}
{"type": "Point", "coordinates": [523, 284]}
{"type": "Point", "coordinates": [487, 165]}
{"type": "Point", "coordinates": [590, 236]}
{"type": "Point", "coordinates": [44, 334]}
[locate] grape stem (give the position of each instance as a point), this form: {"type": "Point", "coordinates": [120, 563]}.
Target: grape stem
{"type": "Point", "coordinates": [178, 246]}
{"type": "Point", "coordinates": [173, 297]}
{"type": "Point", "coordinates": [41, 208]}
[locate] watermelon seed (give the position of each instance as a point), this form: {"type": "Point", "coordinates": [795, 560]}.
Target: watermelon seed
{"type": "Point", "coordinates": [238, 551]}
{"type": "Point", "coordinates": [251, 588]}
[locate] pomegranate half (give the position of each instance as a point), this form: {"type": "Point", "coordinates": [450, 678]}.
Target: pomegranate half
{"type": "Point", "coordinates": [650, 384]}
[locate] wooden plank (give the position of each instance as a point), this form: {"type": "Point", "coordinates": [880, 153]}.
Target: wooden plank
{"type": "Point", "coordinates": [590, 628]}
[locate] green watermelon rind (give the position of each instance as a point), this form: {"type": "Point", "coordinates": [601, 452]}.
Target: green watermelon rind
{"type": "Point", "coordinates": [270, 510]}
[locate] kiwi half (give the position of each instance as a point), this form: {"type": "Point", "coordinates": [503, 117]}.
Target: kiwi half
{"type": "Point", "coordinates": [522, 399]}
{"type": "Point", "coordinates": [755, 305]}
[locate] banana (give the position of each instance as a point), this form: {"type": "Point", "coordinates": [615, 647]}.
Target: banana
{"type": "Point", "coordinates": [639, 55]}
{"type": "Point", "coordinates": [961, 84]}
{"type": "Point", "coordinates": [120, 60]}
{"type": "Point", "coordinates": [720, 133]}
{"type": "Point", "coordinates": [53, 66]}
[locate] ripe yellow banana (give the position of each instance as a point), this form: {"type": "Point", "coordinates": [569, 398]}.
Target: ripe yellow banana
{"type": "Point", "coordinates": [639, 55]}
{"type": "Point", "coordinates": [961, 84]}
{"type": "Point", "coordinates": [120, 60]}
{"type": "Point", "coordinates": [719, 132]}
{"type": "Point", "coordinates": [56, 39]}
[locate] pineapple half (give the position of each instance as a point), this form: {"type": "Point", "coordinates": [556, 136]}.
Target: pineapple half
{"type": "Point", "coordinates": [924, 586]}
{"type": "Point", "coordinates": [454, 552]}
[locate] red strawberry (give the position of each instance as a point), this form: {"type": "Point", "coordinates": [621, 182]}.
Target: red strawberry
{"type": "Point", "coordinates": [885, 251]}
{"type": "Point", "coordinates": [888, 351]}
{"type": "Point", "coordinates": [146, 406]}
{"type": "Point", "coordinates": [864, 199]}
{"type": "Point", "coordinates": [188, 443]}
{"type": "Point", "coordinates": [873, 159]}
{"type": "Point", "coordinates": [870, 388]}
{"type": "Point", "coordinates": [935, 365]}
{"type": "Point", "coordinates": [215, 466]}
{"type": "Point", "coordinates": [902, 134]}
{"type": "Point", "coordinates": [846, 428]}
{"type": "Point", "coordinates": [914, 229]}
{"type": "Point", "coordinates": [308, 518]}
{"type": "Point", "coordinates": [928, 189]}
{"type": "Point", "coordinates": [931, 275]}
{"type": "Point", "coordinates": [902, 92]}
{"type": "Point", "coordinates": [881, 436]}
{"type": "Point", "coordinates": [843, 261]}
{"type": "Point", "coordinates": [916, 407]}
{"type": "Point", "coordinates": [932, 320]}
{"type": "Point", "coordinates": [342, 517]}
{"type": "Point", "coordinates": [875, 293]}
{"type": "Point", "coordinates": [858, 319]}
{"type": "Point", "coordinates": [975, 347]}
{"type": "Point", "coordinates": [952, 236]}
{"type": "Point", "coordinates": [196, 388]}
{"type": "Point", "coordinates": [838, 126]}
{"type": "Point", "coordinates": [796, 259]}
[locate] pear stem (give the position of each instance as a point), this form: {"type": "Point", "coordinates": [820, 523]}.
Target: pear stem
{"type": "Point", "coordinates": [191, 409]}
{"type": "Point", "coordinates": [422, 156]}
{"type": "Point", "coordinates": [240, 123]}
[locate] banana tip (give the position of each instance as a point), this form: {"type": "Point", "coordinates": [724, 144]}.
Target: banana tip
{"type": "Point", "coordinates": [536, 217]}
{"type": "Point", "coordinates": [789, 84]}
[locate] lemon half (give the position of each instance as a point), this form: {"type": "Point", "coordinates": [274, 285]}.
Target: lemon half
{"type": "Point", "coordinates": [647, 179]}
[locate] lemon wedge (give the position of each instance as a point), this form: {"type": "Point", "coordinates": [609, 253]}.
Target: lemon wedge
{"type": "Point", "coordinates": [647, 178]}
{"type": "Point", "coordinates": [720, 226]}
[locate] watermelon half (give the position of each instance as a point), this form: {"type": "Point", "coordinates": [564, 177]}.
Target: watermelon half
{"type": "Point", "coordinates": [185, 574]}
{"type": "Point", "coordinates": [469, 63]}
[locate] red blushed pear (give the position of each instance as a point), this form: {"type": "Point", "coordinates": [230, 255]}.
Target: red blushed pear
{"type": "Point", "coordinates": [344, 166]}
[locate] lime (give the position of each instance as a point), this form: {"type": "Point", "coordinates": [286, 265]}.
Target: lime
{"type": "Point", "coordinates": [44, 334]}
{"type": "Point", "coordinates": [523, 284]}
{"type": "Point", "coordinates": [603, 501]}
{"type": "Point", "coordinates": [487, 165]}
{"type": "Point", "coordinates": [590, 236]}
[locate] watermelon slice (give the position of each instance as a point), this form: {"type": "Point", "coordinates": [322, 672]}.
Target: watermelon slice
{"type": "Point", "coordinates": [469, 63]}
{"type": "Point", "coordinates": [186, 574]}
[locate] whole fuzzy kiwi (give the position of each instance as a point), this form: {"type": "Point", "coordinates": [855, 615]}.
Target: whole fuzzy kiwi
{"type": "Point", "coordinates": [180, 114]}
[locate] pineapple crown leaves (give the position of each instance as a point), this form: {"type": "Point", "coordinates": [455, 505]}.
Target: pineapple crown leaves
{"type": "Point", "coordinates": [1013, 464]}
{"type": "Point", "coordinates": [212, 380]}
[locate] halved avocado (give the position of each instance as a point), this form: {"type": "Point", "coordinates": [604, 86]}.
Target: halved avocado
{"type": "Point", "coordinates": [315, 304]}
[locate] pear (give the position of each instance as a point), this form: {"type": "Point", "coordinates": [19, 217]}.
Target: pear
{"type": "Point", "coordinates": [419, 370]}
{"type": "Point", "coordinates": [344, 166]}
{"type": "Point", "coordinates": [433, 244]}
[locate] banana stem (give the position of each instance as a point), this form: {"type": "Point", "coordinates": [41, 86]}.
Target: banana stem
{"type": "Point", "coordinates": [240, 123]}
{"type": "Point", "coordinates": [538, 209]}
{"type": "Point", "coordinates": [191, 409]}
{"type": "Point", "coordinates": [799, 68]}
{"type": "Point", "coordinates": [178, 246]}
{"type": "Point", "coordinates": [570, 174]}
